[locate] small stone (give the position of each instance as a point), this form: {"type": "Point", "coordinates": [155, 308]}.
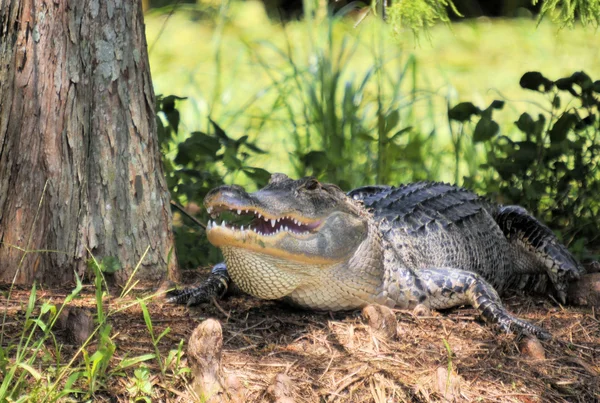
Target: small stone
{"type": "Point", "coordinates": [531, 348]}
{"type": "Point", "coordinates": [585, 291]}
{"type": "Point", "coordinates": [592, 267]}
{"type": "Point", "coordinates": [447, 383]}
{"type": "Point", "coordinates": [281, 390]}
{"type": "Point", "coordinates": [77, 323]}
{"type": "Point", "coordinates": [235, 390]}
{"type": "Point", "coordinates": [422, 310]}
{"type": "Point", "coordinates": [381, 319]}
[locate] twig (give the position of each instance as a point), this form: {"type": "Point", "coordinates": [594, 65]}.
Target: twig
{"type": "Point", "coordinates": [188, 215]}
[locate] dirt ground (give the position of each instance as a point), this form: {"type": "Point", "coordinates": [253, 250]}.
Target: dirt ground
{"type": "Point", "coordinates": [449, 356]}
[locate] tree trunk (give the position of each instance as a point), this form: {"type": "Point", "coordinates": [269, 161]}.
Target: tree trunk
{"type": "Point", "coordinates": [79, 159]}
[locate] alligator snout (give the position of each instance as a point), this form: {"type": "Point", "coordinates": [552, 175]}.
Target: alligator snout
{"type": "Point", "coordinates": [225, 195]}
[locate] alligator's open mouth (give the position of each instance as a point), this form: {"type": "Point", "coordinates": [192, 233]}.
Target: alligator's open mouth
{"type": "Point", "coordinates": [242, 222]}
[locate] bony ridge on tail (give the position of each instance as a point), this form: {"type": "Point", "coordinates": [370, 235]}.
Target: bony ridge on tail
{"type": "Point", "coordinates": [428, 243]}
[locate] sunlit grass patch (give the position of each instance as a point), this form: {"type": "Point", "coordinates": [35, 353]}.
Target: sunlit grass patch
{"type": "Point", "coordinates": [217, 65]}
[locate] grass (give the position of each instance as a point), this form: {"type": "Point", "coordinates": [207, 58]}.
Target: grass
{"type": "Point", "coordinates": [239, 70]}
{"type": "Point", "coordinates": [39, 363]}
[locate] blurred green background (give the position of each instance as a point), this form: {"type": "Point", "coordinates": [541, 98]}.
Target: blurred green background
{"type": "Point", "coordinates": [360, 103]}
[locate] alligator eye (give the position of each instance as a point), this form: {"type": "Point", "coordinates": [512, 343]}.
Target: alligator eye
{"type": "Point", "coordinates": [312, 184]}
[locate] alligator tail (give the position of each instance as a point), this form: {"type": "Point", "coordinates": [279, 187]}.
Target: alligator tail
{"type": "Point", "coordinates": [538, 248]}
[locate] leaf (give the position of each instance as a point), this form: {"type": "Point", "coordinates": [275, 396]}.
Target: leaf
{"type": "Point", "coordinates": [556, 102]}
{"type": "Point", "coordinates": [129, 362]}
{"type": "Point", "coordinates": [526, 154]}
{"type": "Point", "coordinates": [31, 303]}
{"type": "Point", "coordinates": [230, 159]}
{"type": "Point", "coordinates": [241, 140]}
{"type": "Point", "coordinates": [76, 290]}
{"type": "Point", "coordinates": [496, 104]}
{"type": "Point", "coordinates": [539, 125]}
{"type": "Point", "coordinates": [561, 127]}
{"type": "Point", "coordinates": [596, 86]}
{"type": "Point", "coordinates": [163, 334]}
{"type": "Point", "coordinates": [391, 120]}
{"type": "Point", "coordinates": [221, 133]}
{"type": "Point", "coordinates": [485, 130]}
{"type": "Point", "coordinates": [168, 102]}
{"type": "Point", "coordinates": [254, 148]}
{"type": "Point", "coordinates": [314, 158]}
{"type": "Point", "coordinates": [110, 265]}
{"type": "Point", "coordinates": [258, 175]}
{"type": "Point", "coordinates": [506, 169]}
{"type": "Point", "coordinates": [173, 119]}
{"type": "Point", "coordinates": [487, 113]}
{"type": "Point", "coordinates": [533, 80]}
{"type": "Point", "coordinates": [585, 122]}
{"type": "Point", "coordinates": [526, 124]}
{"type": "Point", "coordinates": [400, 133]}
{"type": "Point", "coordinates": [32, 371]}
{"type": "Point", "coordinates": [197, 145]}
{"type": "Point", "coordinates": [566, 84]}
{"type": "Point", "coordinates": [161, 131]}
{"type": "Point", "coordinates": [582, 80]}
{"type": "Point", "coordinates": [463, 112]}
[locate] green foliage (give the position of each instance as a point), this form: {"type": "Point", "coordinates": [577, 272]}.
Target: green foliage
{"type": "Point", "coordinates": [346, 127]}
{"type": "Point", "coordinates": [195, 163]}
{"type": "Point", "coordinates": [565, 12]}
{"type": "Point", "coordinates": [96, 366]}
{"type": "Point", "coordinates": [18, 362]}
{"type": "Point", "coordinates": [419, 15]}
{"type": "Point", "coordinates": [140, 388]}
{"type": "Point", "coordinates": [108, 264]}
{"type": "Point", "coordinates": [551, 168]}
{"type": "Point", "coordinates": [328, 101]}
{"type": "Point", "coordinates": [155, 339]}
{"type": "Point", "coordinates": [32, 368]}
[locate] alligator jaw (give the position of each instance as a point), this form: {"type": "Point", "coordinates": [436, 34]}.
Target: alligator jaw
{"type": "Point", "coordinates": [263, 233]}
{"type": "Point", "coordinates": [263, 224]}
{"type": "Point", "coordinates": [299, 221]}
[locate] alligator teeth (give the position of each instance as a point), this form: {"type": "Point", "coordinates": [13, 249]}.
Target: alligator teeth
{"type": "Point", "coordinates": [242, 229]}
{"type": "Point", "coordinates": [272, 223]}
{"type": "Point", "coordinates": [259, 215]}
{"type": "Point", "coordinates": [279, 219]}
{"type": "Point", "coordinates": [209, 210]}
{"type": "Point", "coordinates": [223, 224]}
{"type": "Point", "coordinates": [239, 211]}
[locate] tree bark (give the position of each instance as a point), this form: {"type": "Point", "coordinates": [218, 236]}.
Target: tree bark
{"type": "Point", "coordinates": [79, 157]}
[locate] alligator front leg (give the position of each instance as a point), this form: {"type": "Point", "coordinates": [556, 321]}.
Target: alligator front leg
{"type": "Point", "coordinates": [445, 288]}
{"type": "Point", "coordinates": [215, 286]}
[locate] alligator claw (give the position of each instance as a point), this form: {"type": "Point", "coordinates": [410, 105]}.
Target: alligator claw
{"type": "Point", "coordinates": [511, 324]}
{"type": "Point", "coordinates": [215, 286]}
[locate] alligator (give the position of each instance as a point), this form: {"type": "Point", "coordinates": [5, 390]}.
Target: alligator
{"type": "Point", "coordinates": [428, 243]}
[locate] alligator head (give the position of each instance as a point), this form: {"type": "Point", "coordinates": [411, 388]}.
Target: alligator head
{"type": "Point", "coordinates": [295, 230]}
